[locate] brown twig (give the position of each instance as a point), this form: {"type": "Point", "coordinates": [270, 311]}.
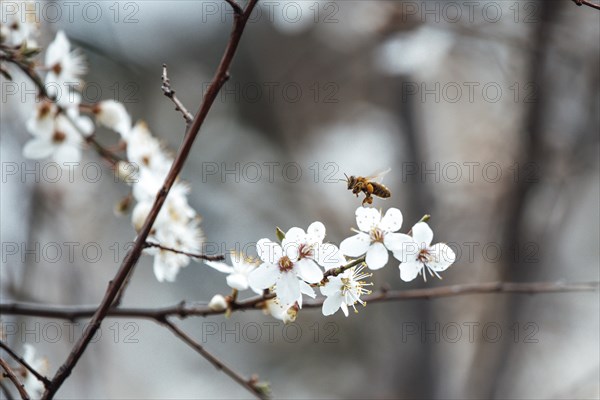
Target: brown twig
{"type": "Point", "coordinates": [13, 378]}
{"type": "Point", "coordinates": [218, 257]}
{"type": "Point", "coordinates": [24, 363]}
{"type": "Point", "coordinates": [133, 256]}
{"type": "Point", "coordinates": [183, 310]}
{"type": "Point", "coordinates": [248, 384]}
{"type": "Point", "coordinates": [236, 7]}
{"type": "Point", "coordinates": [587, 3]}
{"type": "Point", "coordinates": [170, 93]}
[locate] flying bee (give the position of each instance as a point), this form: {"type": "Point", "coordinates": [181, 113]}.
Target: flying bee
{"type": "Point", "coordinates": [368, 186]}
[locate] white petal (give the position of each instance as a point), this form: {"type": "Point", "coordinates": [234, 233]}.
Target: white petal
{"type": "Point", "coordinates": [66, 154]}
{"type": "Point", "coordinates": [37, 148]}
{"type": "Point", "coordinates": [237, 281]}
{"type": "Point", "coordinates": [410, 270]}
{"type": "Point", "coordinates": [269, 251]}
{"type": "Point", "coordinates": [367, 218]}
{"type": "Point", "coordinates": [332, 304]}
{"type": "Point", "coordinates": [391, 221]}
{"type": "Point", "coordinates": [444, 257]}
{"type": "Point", "coordinates": [308, 270]}
{"type": "Point", "coordinates": [220, 266]}
{"type": "Point", "coordinates": [422, 234]}
{"type": "Point", "coordinates": [344, 308]}
{"type": "Point", "coordinates": [163, 270]}
{"type": "Point", "coordinates": [295, 236]}
{"type": "Point", "coordinates": [333, 285]}
{"type": "Point", "coordinates": [408, 251]}
{"type": "Point", "coordinates": [264, 276]}
{"type": "Point", "coordinates": [316, 232]}
{"type": "Point", "coordinates": [356, 245]}
{"type": "Point", "coordinates": [288, 288]}
{"type": "Point", "coordinates": [377, 256]}
{"type": "Point", "coordinates": [396, 241]}
{"type": "Point", "coordinates": [306, 289]}
{"type": "Point", "coordinates": [329, 256]}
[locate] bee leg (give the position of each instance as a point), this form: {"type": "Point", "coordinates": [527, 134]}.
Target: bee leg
{"type": "Point", "coordinates": [369, 189]}
{"type": "Point", "coordinates": [368, 199]}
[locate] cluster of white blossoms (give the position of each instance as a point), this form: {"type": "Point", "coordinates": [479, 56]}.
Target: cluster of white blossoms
{"type": "Point", "coordinates": [59, 132]}
{"type": "Point", "coordinates": [302, 261]}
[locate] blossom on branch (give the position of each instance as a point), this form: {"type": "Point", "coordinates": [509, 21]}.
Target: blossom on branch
{"type": "Point", "coordinates": [65, 67]}
{"type": "Point", "coordinates": [345, 290]}
{"type": "Point", "coordinates": [376, 235]}
{"type": "Point", "coordinates": [32, 384]}
{"type": "Point", "coordinates": [417, 255]}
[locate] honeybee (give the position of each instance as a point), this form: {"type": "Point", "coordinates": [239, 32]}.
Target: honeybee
{"type": "Point", "coordinates": [368, 186]}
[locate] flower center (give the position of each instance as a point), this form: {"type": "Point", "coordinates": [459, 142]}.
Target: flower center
{"type": "Point", "coordinates": [44, 110]}
{"type": "Point", "coordinates": [305, 251]}
{"type": "Point", "coordinates": [58, 137]}
{"type": "Point", "coordinates": [285, 264]}
{"type": "Point", "coordinates": [376, 235]}
{"type": "Point", "coordinates": [425, 256]}
{"type": "Point", "coordinates": [57, 68]}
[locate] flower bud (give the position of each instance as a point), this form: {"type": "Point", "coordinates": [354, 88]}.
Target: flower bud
{"type": "Point", "coordinates": [218, 303]}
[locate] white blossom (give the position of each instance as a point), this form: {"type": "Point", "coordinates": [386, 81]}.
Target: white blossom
{"type": "Point", "coordinates": [18, 26]}
{"type": "Point", "coordinates": [57, 138]}
{"type": "Point", "coordinates": [145, 151]}
{"type": "Point", "coordinates": [377, 235]}
{"type": "Point", "coordinates": [417, 255]}
{"type": "Point", "coordinates": [113, 115]}
{"type": "Point", "coordinates": [345, 290]}
{"type": "Point", "coordinates": [282, 312]}
{"type": "Point", "coordinates": [65, 67]}
{"type": "Point", "coordinates": [33, 385]}
{"type": "Point", "coordinates": [237, 277]}
{"type": "Point", "coordinates": [179, 237]}
{"type": "Point", "coordinates": [286, 267]}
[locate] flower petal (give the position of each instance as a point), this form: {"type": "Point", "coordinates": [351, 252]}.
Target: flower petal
{"type": "Point", "coordinates": [391, 221]}
{"type": "Point", "coordinates": [356, 245]}
{"type": "Point", "coordinates": [37, 148]}
{"type": "Point", "coordinates": [269, 251]}
{"type": "Point", "coordinates": [306, 289]}
{"type": "Point", "coordinates": [237, 281]}
{"type": "Point", "coordinates": [444, 257]}
{"type": "Point", "coordinates": [67, 154]}
{"type": "Point", "coordinates": [329, 256]}
{"type": "Point", "coordinates": [264, 276]}
{"type": "Point", "coordinates": [333, 285]}
{"type": "Point", "coordinates": [332, 304]}
{"type": "Point", "coordinates": [308, 270]}
{"type": "Point", "coordinates": [288, 288]}
{"type": "Point", "coordinates": [397, 241]}
{"type": "Point", "coordinates": [410, 270]}
{"type": "Point", "coordinates": [377, 256]}
{"type": "Point", "coordinates": [422, 234]}
{"type": "Point", "coordinates": [294, 236]}
{"type": "Point", "coordinates": [220, 266]}
{"type": "Point", "coordinates": [408, 251]}
{"type": "Point", "coordinates": [316, 232]}
{"type": "Point", "coordinates": [367, 218]}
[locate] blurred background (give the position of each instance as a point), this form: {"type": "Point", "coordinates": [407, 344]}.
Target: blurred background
{"type": "Point", "coordinates": [486, 111]}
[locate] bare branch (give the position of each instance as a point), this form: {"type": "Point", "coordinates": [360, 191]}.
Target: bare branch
{"type": "Point", "coordinates": [114, 287]}
{"type": "Point", "coordinates": [13, 378]}
{"type": "Point", "coordinates": [249, 384]}
{"type": "Point", "coordinates": [185, 253]}
{"type": "Point", "coordinates": [587, 3]}
{"type": "Point", "coordinates": [170, 93]}
{"type": "Point", "coordinates": [24, 363]}
{"type": "Point", "coordinates": [236, 7]}
{"type": "Point", "coordinates": [183, 310]}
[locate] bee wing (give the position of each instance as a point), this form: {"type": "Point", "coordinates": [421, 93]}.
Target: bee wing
{"type": "Point", "coordinates": [378, 176]}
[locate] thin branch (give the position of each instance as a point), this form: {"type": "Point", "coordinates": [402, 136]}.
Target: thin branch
{"type": "Point", "coordinates": [236, 7]}
{"type": "Point", "coordinates": [248, 384]}
{"type": "Point", "coordinates": [170, 93]}
{"type": "Point", "coordinates": [24, 363]}
{"type": "Point", "coordinates": [13, 378]}
{"type": "Point", "coordinates": [218, 257]}
{"type": "Point", "coordinates": [587, 3]}
{"type": "Point", "coordinates": [183, 310]}
{"type": "Point", "coordinates": [114, 287]}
